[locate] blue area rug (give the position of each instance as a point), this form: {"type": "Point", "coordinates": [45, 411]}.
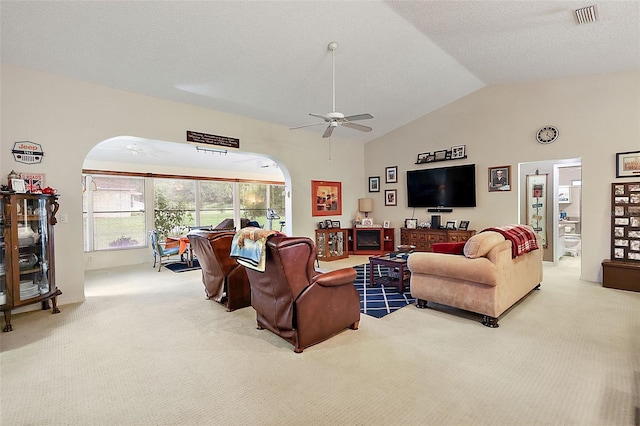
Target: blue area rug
{"type": "Point", "coordinates": [182, 266]}
{"type": "Point", "coordinates": [380, 300]}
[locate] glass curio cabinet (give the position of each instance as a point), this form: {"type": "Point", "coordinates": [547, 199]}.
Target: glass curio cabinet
{"type": "Point", "coordinates": [331, 244]}
{"type": "Point", "coordinates": [27, 263]}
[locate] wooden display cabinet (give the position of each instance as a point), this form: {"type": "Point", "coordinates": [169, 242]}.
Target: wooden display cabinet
{"type": "Point", "coordinates": [424, 238]}
{"type": "Point", "coordinates": [331, 244]}
{"type": "Point", "coordinates": [27, 265]}
{"type": "Point", "coordinates": [375, 241]}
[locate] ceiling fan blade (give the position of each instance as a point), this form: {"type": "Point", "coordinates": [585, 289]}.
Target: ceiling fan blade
{"type": "Point", "coordinates": [328, 132]}
{"type": "Point", "coordinates": [306, 125]}
{"type": "Point", "coordinates": [359, 117]}
{"type": "Point", "coordinates": [357, 127]}
{"type": "Point", "coordinates": [324, 117]}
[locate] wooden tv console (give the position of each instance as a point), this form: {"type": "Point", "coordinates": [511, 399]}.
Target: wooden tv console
{"type": "Point", "coordinates": [423, 238]}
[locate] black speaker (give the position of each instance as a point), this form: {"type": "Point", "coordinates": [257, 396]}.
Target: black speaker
{"type": "Point", "coordinates": [435, 221]}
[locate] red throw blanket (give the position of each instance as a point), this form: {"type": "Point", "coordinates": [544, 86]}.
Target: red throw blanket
{"type": "Point", "coordinates": [523, 239]}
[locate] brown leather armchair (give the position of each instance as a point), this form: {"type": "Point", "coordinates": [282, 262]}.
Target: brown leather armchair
{"type": "Point", "coordinates": [224, 280]}
{"type": "Point", "coordinates": [297, 303]}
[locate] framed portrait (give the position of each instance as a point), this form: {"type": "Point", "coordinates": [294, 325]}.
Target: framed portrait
{"type": "Point", "coordinates": [374, 184]}
{"type": "Point", "coordinates": [391, 174]}
{"type": "Point", "coordinates": [628, 164]}
{"type": "Point", "coordinates": [18, 185]}
{"type": "Point", "coordinates": [326, 198]}
{"type": "Point", "coordinates": [451, 224]}
{"type": "Point", "coordinates": [335, 224]}
{"type": "Point", "coordinates": [328, 224]}
{"type": "Point", "coordinates": [458, 151]}
{"type": "Point", "coordinates": [499, 178]}
{"type": "Point", "coordinates": [440, 155]}
{"type": "Point", "coordinates": [386, 224]}
{"type": "Point", "coordinates": [390, 197]}
{"type": "Point", "coordinates": [422, 158]}
{"type": "Point", "coordinates": [411, 223]}
{"type": "Point", "coordinates": [464, 225]}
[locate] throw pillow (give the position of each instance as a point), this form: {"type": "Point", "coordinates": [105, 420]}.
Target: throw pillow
{"type": "Point", "coordinates": [481, 244]}
{"type": "Point", "coordinates": [448, 248]}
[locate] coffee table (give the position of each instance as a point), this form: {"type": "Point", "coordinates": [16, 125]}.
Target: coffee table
{"type": "Point", "coordinates": [393, 261]}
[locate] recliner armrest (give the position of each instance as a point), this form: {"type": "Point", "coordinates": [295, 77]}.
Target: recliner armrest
{"type": "Point", "coordinates": [336, 278]}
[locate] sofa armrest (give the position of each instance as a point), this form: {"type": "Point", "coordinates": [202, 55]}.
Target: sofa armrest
{"type": "Point", "coordinates": [479, 270]}
{"type": "Point", "coordinates": [336, 278]}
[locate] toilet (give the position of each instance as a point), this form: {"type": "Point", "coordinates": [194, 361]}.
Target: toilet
{"type": "Point", "coordinates": [572, 245]}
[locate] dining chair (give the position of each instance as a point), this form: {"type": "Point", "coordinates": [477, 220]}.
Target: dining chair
{"type": "Point", "coordinates": [159, 251]}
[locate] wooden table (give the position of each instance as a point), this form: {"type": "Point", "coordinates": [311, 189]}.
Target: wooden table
{"type": "Point", "coordinates": [185, 246]}
{"type": "Point", "coordinates": [398, 262]}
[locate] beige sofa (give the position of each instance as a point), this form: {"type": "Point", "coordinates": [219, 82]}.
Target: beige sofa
{"type": "Point", "coordinates": [485, 279]}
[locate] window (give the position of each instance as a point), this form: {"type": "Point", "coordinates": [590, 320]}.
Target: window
{"type": "Point", "coordinates": [114, 212]}
{"type": "Point", "coordinates": [174, 205]}
{"type": "Point", "coordinates": [216, 202]}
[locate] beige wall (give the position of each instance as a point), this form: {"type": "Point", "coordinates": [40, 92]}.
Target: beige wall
{"type": "Point", "coordinates": [68, 117]}
{"type": "Point", "coordinates": [597, 116]}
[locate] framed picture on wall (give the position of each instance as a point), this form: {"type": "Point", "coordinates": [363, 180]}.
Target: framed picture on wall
{"type": "Point", "coordinates": [326, 198]}
{"type": "Point", "coordinates": [391, 174]}
{"type": "Point", "coordinates": [390, 197]}
{"type": "Point", "coordinates": [628, 164]}
{"type": "Point", "coordinates": [374, 184]}
{"type": "Point", "coordinates": [499, 178]}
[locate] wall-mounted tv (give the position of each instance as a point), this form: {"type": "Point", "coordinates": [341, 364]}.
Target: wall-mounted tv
{"type": "Point", "coordinates": [442, 187]}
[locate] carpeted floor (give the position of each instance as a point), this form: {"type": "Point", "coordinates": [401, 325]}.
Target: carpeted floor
{"type": "Point", "coordinates": [380, 300]}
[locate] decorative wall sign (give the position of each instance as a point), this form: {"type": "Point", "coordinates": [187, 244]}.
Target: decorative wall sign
{"type": "Point", "coordinates": [537, 205]}
{"type": "Point", "coordinates": [208, 139]}
{"type": "Point", "coordinates": [27, 152]}
{"type": "Point", "coordinates": [326, 198]}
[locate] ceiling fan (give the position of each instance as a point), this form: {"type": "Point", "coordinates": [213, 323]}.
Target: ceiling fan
{"type": "Point", "coordinates": [335, 118]}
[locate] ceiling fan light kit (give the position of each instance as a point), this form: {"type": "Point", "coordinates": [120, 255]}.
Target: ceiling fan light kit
{"type": "Point", "coordinates": [335, 118]}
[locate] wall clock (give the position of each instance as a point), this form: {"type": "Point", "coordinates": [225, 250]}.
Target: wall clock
{"type": "Point", "coordinates": [548, 134]}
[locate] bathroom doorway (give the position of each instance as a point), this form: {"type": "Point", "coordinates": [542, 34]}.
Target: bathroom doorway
{"type": "Point", "coordinates": [568, 213]}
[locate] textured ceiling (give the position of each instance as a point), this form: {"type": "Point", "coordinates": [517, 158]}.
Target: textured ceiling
{"type": "Point", "coordinates": [268, 59]}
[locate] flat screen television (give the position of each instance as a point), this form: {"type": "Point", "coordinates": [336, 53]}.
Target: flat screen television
{"type": "Point", "coordinates": [442, 187]}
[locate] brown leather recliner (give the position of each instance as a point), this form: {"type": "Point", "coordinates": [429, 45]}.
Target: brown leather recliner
{"type": "Point", "coordinates": [224, 280]}
{"type": "Point", "coordinates": [297, 303]}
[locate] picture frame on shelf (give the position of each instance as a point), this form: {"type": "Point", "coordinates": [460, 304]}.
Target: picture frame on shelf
{"type": "Point", "coordinates": [499, 178]}
{"type": "Point", "coordinates": [374, 184]}
{"type": "Point", "coordinates": [33, 182]}
{"type": "Point", "coordinates": [627, 164]}
{"type": "Point", "coordinates": [411, 223]}
{"type": "Point", "coordinates": [458, 151]}
{"type": "Point", "coordinates": [386, 224]}
{"type": "Point", "coordinates": [17, 185]}
{"type": "Point", "coordinates": [464, 225]}
{"type": "Point", "coordinates": [391, 174]}
{"type": "Point", "coordinates": [390, 197]}
{"type": "Point", "coordinates": [367, 221]}
{"type": "Point", "coordinates": [451, 224]}
{"type": "Point", "coordinates": [321, 225]}
{"type": "Point", "coordinates": [326, 198]}
{"type": "Point", "coordinates": [422, 158]}
{"type": "Point", "coordinates": [328, 224]}
{"type": "Point", "coordinates": [431, 158]}
{"type": "Point", "coordinates": [335, 224]}
{"type": "Point", "coordinates": [440, 155]}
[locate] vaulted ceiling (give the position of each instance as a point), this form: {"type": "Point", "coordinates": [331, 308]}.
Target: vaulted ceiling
{"type": "Point", "coordinates": [397, 60]}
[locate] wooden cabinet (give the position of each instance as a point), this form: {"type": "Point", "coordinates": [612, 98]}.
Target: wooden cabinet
{"type": "Point", "coordinates": [623, 270]}
{"type": "Point", "coordinates": [424, 238]}
{"type": "Point", "coordinates": [331, 244]}
{"type": "Point", "coordinates": [27, 265]}
{"type": "Point", "coordinates": [373, 240]}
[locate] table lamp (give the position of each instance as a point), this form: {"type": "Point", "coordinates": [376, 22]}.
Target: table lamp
{"type": "Point", "coordinates": [365, 205]}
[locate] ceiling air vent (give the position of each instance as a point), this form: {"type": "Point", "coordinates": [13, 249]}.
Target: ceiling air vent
{"type": "Point", "coordinates": [586, 15]}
